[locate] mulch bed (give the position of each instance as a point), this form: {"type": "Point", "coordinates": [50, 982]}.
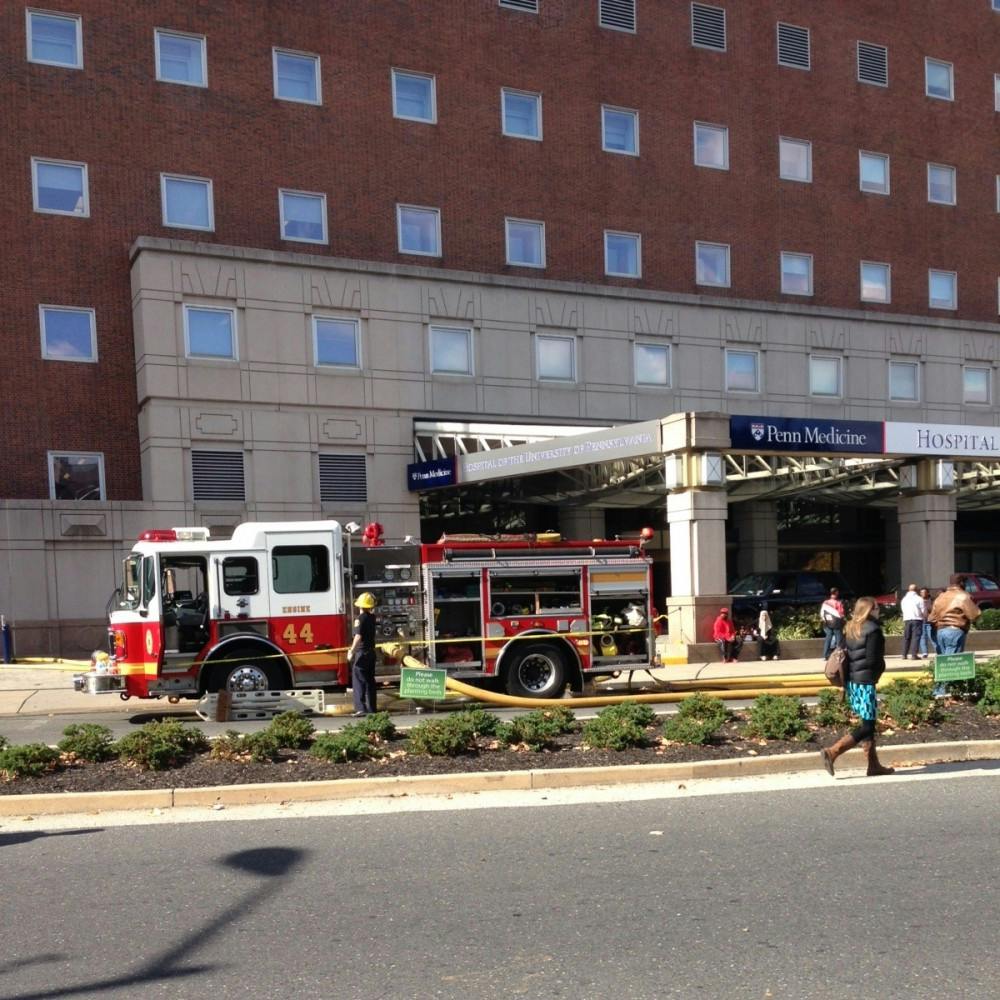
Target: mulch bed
{"type": "Point", "coordinates": [963, 722]}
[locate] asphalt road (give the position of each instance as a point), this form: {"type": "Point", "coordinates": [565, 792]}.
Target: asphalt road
{"type": "Point", "coordinates": [861, 888]}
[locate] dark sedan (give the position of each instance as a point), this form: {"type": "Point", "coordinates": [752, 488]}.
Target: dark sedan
{"type": "Point", "coordinates": [791, 590]}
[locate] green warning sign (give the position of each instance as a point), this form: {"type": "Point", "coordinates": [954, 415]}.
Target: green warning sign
{"type": "Point", "coordinates": [422, 685]}
{"type": "Point", "coordinates": [955, 667]}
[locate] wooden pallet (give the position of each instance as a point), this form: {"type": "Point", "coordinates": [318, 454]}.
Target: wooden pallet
{"type": "Point", "coordinates": [232, 706]}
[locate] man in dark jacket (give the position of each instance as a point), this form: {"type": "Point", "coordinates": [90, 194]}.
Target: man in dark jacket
{"type": "Point", "coordinates": [362, 656]}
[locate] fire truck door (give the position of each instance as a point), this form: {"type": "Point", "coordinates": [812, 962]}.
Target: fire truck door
{"type": "Point", "coordinates": [238, 586]}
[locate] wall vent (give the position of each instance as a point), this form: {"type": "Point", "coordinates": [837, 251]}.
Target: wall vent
{"type": "Point", "coordinates": [708, 27]}
{"type": "Point", "coordinates": [793, 46]}
{"type": "Point", "coordinates": [531, 6]}
{"type": "Point", "coordinates": [343, 479]}
{"type": "Point", "coordinates": [617, 14]}
{"type": "Point", "coordinates": [873, 64]}
{"type": "Point", "coordinates": [217, 475]}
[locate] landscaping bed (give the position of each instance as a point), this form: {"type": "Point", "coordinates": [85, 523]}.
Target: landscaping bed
{"type": "Point", "coordinates": [479, 742]}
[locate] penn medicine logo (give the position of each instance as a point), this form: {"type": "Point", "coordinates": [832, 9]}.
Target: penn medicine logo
{"type": "Point", "coordinates": [757, 430]}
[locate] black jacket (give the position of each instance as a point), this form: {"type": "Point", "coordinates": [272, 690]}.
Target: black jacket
{"type": "Point", "coordinates": [866, 655]}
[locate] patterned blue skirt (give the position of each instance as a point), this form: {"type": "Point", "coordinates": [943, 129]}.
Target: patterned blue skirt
{"type": "Point", "coordinates": [861, 698]}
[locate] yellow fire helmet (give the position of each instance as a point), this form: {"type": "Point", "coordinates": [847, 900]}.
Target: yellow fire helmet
{"type": "Point", "coordinates": [365, 600]}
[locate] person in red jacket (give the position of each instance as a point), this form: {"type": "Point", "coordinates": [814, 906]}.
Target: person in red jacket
{"type": "Point", "coordinates": [724, 634]}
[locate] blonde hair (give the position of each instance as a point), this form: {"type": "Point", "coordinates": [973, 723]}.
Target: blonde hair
{"type": "Point", "coordinates": [863, 608]}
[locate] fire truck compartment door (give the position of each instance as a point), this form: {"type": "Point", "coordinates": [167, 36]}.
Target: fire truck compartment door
{"type": "Point", "coordinates": [305, 574]}
{"type": "Point", "coordinates": [624, 580]}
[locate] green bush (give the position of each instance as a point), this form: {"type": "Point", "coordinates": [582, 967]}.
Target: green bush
{"type": "Point", "coordinates": [3, 742]}
{"type": "Point", "coordinates": [892, 624]}
{"type": "Point", "coordinates": [444, 737]}
{"type": "Point", "coordinates": [291, 730]}
{"type": "Point", "coordinates": [352, 742]}
{"type": "Point", "coordinates": [617, 727]}
{"type": "Point", "coordinates": [537, 730]}
{"type": "Point", "coordinates": [161, 745]}
{"type": "Point", "coordinates": [777, 717]}
{"type": "Point", "coordinates": [261, 747]}
{"type": "Point", "coordinates": [975, 687]}
{"type": "Point", "coordinates": [832, 709]}
{"type": "Point", "coordinates": [989, 704]}
{"type": "Point", "coordinates": [88, 741]}
{"type": "Point", "coordinates": [379, 725]}
{"type": "Point", "coordinates": [909, 703]}
{"type": "Point", "coordinates": [802, 624]}
{"type": "Point", "coordinates": [27, 760]}
{"type": "Point", "coordinates": [989, 620]}
{"type": "Point", "coordinates": [697, 719]}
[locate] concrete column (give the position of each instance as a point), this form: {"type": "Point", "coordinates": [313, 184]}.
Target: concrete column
{"type": "Point", "coordinates": [927, 538]}
{"type": "Point", "coordinates": [890, 524]}
{"type": "Point", "coordinates": [757, 524]}
{"type": "Point", "coordinates": [697, 523]}
{"type": "Point", "coordinates": [582, 524]}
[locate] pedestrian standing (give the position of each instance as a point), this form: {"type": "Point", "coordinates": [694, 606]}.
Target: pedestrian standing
{"type": "Point", "coordinates": [953, 613]}
{"type": "Point", "coordinates": [831, 613]}
{"type": "Point", "coordinates": [912, 607]}
{"type": "Point", "coordinates": [864, 644]}
{"type": "Point", "coordinates": [724, 634]}
{"type": "Point", "coordinates": [927, 631]}
{"type": "Point", "coordinates": [362, 656]}
{"type": "Point", "coordinates": [767, 641]}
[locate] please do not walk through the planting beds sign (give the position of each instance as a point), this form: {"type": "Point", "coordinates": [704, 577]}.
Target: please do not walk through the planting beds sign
{"type": "Point", "coordinates": [955, 667]}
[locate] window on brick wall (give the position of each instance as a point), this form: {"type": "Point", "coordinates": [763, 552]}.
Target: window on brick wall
{"type": "Point", "coordinates": [940, 184]}
{"type": "Point", "coordinates": [60, 187]}
{"type": "Point", "coordinates": [873, 64]}
{"type": "Point", "coordinates": [873, 171]}
{"type": "Point", "coordinates": [793, 46]}
{"type": "Point", "coordinates": [55, 39]}
{"type": "Point", "coordinates": [708, 27]}
{"type": "Point", "coordinates": [343, 479]}
{"type": "Point", "coordinates": [419, 230]}
{"type": "Point", "coordinates": [620, 131]}
{"type": "Point", "coordinates": [181, 58]}
{"type": "Point", "coordinates": [617, 14]}
{"type": "Point", "coordinates": [711, 146]}
{"type": "Point", "coordinates": [996, 91]}
{"type": "Point", "coordinates": [939, 79]}
{"type": "Point", "coordinates": [297, 77]}
{"type": "Point", "coordinates": [414, 96]}
{"type": "Point", "coordinates": [622, 254]}
{"type": "Point", "coordinates": [525, 243]}
{"type": "Point", "coordinates": [76, 475]}
{"type": "Point", "coordinates": [942, 289]}
{"type": "Point", "coordinates": [876, 282]}
{"type": "Point", "coordinates": [303, 216]}
{"type": "Point", "coordinates": [795, 160]}
{"type": "Point", "coordinates": [187, 202]}
{"type": "Point", "coordinates": [217, 475]}
{"type": "Point", "coordinates": [796, 274]}
{"type": "Point", "coordinates": [521, 114]}
{"type": "Point", "coordinates": [712, 264]}
{"type": "Point", "coordinates": [67, 334]}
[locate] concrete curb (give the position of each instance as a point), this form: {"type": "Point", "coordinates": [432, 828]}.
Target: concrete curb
{"type": "Point", "coordinates": [49, 804]}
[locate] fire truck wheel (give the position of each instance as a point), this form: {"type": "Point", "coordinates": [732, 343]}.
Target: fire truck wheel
{"type": "Point", "coordinates": [246, 676]}
{"type": "Point", "coordinates": [538, 670]}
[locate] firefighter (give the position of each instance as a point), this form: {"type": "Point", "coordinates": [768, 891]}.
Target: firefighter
{"type": "Point", "coordinates": [362, 656]}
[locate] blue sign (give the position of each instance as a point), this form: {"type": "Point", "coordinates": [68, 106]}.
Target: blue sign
{"type": "Point", "coordinates": [430, 475]}
{"type": "Point", "coordinates": [807, 436]}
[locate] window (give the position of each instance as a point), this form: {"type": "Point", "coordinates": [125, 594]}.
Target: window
{"type": "Point", "coordinates": [939, 79]}
{"type": "Point", "coordinates": [300, 569]}
{"type": "Point", "coordinates": [943, 289]}
{"type": "Point", "coordinates": [521, 114]}
{"type": "Point", "coordinates": [210, 333]}
{"type": "Point", "coordinates": [620, 131]}
{"type": "Point", "coordinates": [451, 350]}
{"type": "Point", "coordinates": [874, 172]}
{"type": "Point", "coordinates": [240, 576]}
{"type": "Point", "coordinates": [998, 192]}
{"type": "Point", "coordinates": [303, 216]}
{"type": "Point", "coordinates": [296, 77]}
{"type": "Point", "coordinates": [55, 39]}
{"type": "Point", "coordinates": [343, 479]}
{"type": "Point", "coordinates": [824, 376]}
{"type": "Point", "coordinates": [796, 274]}
{"type": "Point", "coordinates": [940, 184]}
{"type": "Point", "coordinates": [711, 146]}
{"type": "Point", "coordinates": [873, 64]}
{"type": "Point", "coordinates": [414, 96]}
{"type": "Point", "coordinates": [617, 14]}
{"type": "Point", "coordinates": [217, 475]}
{"type": "Point", "coordinates": [419, 230]}
{"type": "Point", "coordinates": [652, 364]}
{"type": "Point", "coordinates": [67, 334]}
{"type": "Point", "coordinates": [904, 381]}
{"type": "Point", "coordinates": [60, 188]}
{"type": "Point", "coordinates": [708, 27]}
{"type": "Point", "coordinates": [556, 358]}
{"type": "Point", "coordinates": [742, 371]}
{"type": "Point", "coordinates": [525, 243]}
{"type": "Point", "coordinates": [795, 160]}
{"type": "Point", "coordinates": [76, 475]}
{"type": "Point", "coordinates": [712, 264]}
{"type": "Point", "coordinates": [181, 58]}
{"type": "Point", "coordinates": [996, 91]}
{"type": "Point", "coordinates": [337, 342]}
{"type": "Point", "coordinates": [875, 282]}
{"type": "Point", "coordinates": [529, 6]}
{"type": "Point", "coordinates": [793, 46]}
{"type": "Point", "coordinates": [187, 202]}
{"type": "Point", "coordinates": [976, 384]}
{"type": "Point", "coordinates": [622, 254]}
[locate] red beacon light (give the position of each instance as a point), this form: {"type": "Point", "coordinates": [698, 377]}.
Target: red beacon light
{"type": "Point", "coordinates": [159, 535]}
{"type": "Point", "coordinates": [646, 535]}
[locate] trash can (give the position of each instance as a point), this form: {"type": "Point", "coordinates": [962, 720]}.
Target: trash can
{"type": "Point", "coordinates": [6, 641]}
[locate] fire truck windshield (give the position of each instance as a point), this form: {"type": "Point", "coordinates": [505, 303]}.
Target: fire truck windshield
{"type": "Point", "coordinates": [131, 578]}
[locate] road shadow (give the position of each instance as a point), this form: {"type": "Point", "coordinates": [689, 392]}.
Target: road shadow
{"type": "Point", "coordinates": [180, 715]}
{"type": "Point", "coordinates": [9, 839]}
{"type": "Point", "coordinates": [941, 767]}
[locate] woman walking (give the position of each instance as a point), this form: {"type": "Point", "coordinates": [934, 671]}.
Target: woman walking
{"type": "Point", "coordinates": [864, 665]}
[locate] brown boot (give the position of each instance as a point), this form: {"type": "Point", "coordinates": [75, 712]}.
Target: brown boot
{"type": "Point", "coordinates": [875, 769]}
{"type": "Point", "coordinates": [830, 754]}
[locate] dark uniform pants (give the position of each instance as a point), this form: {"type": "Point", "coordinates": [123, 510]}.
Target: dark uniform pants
{"type": "Point", "coordinates": [363, 682]}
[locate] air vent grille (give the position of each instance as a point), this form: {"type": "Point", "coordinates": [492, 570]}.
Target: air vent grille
{"type": "Point", "coordinates": [618, 14]}
{"type": "Point", "coordinates": [708, 27]}
{"type": "Point", "coordinates": [343, 479]}
{"type": "Point", "coordinates": [793, 46]}
{"type": "Point", "coordinates": [531, 6]}
{"type": "Point", "coordinates": [873, 64]}
{"type": "Point", "coordinates": [217, 475]}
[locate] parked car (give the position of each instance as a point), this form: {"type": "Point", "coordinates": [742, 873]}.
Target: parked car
{"type": "Point", "coordinates": [780, 591]}
{"type": "Point", "coordinates": [983, 589]}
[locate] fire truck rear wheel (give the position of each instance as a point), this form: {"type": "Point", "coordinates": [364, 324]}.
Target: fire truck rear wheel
{"type": "Point", "coordinates": [247, 676]}
{"type": "Point", "coordinates": [538, 670]}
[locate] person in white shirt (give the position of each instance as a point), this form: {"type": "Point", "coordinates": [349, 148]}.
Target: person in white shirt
{"type": "Point", "coordinates": [912, 607]}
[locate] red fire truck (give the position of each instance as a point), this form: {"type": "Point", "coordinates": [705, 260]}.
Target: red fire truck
{"type": "Point", "coordinates": [272, 608]}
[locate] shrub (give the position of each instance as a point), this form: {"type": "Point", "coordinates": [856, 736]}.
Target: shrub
{"type": "Point", "coordinates": [88, 741]}
{"type": "Point", "coordinates": [3, 742]}
{"type": "Point", "coordinates": [777, 717]}
{"type": "Point", "coordinates": [909, 703]}
{"type": "Point", "coordinates": [975, 687]}
{"type": "Point", "coordinates": [989, 704]}
{"type": "Point", "coordinates": [638, 712]}
{"type": "Point", "coordinates": [379, 725]}
{"type": "Point", "coordinates": [988, 620]}
{"type": "Point", "coordinates": [536, 730]}
{"type": "Point", "coordinates": [259, 747]}
{"type": "Point", "coordinates": [445, 737]}
{"type": "Point", "coordinates": [832, 709]}
{"type": "Point", "coordinates": [161, 745]}
{"type": "Point", "coordinates": [892, 624]}
{"type": "Point", "coordinates": [27, 760]}
{"type": "Point", "coordinates": [617, 727]}
{"type": "Point", "coordinates": [291, 730]}
{"type": "Point", "coordinates": [350, 743]}
{"type": "Point", "coordinates": [802, 624]}
{"type": "Point", "coordinates": [697, 719]}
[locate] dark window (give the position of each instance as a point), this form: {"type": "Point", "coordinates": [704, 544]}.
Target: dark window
{"type": "Point", "coordinates": [301, 569]}
{"type": "Point", "coordinates": [148, 580]}
{"type": "Point", "coordinates": [239, 575]}
{"type": "Point", "coordinates": [986, 584]}
{"type": "Point", "coordinates": [812, 586]}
